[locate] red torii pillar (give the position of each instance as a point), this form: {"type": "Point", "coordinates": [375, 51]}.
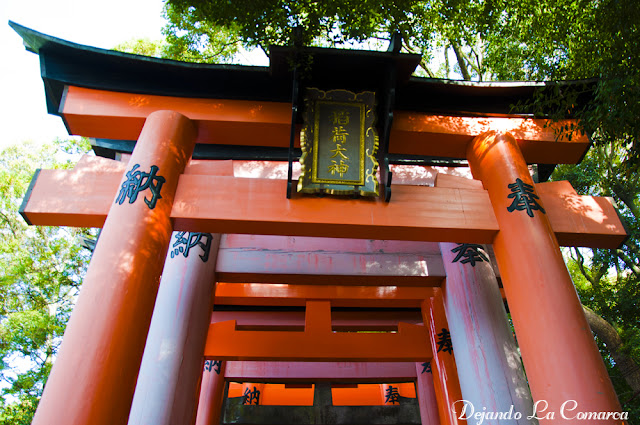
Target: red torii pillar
{"type": "Point", "coordinates": [426, 394]}
{"type": "Point", "coordinates": [167, 387]}
{"type": "Point", "coordinates": [560, 356]}
{"type": "Point", "coordinates": [487, 358]}
{"type": "Point", "coordinates": [445, 372]}
{"type": "Point", "coordinates": [211, 394]}
{"type": "Point", "coordinates": [94, 376]}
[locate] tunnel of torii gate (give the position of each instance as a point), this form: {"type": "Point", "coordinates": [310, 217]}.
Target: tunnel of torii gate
{"type": "Point", "coordinates": [219, 292]}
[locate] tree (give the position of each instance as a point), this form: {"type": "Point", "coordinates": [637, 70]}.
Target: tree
{"type": "Point", "coordinates": [41, 269]}
{"type": "Point", "coordinates": [577, 39]}
{"type": "Point", "coordinates": [142, 46]}
{"type": "Point", "coordinates": [425, 26]}
{"type": "Point", "coordinates": [209, 44]}
{"type": "Point", "coordinates": [608, 281]}
{"type": "Point", "coordinates": [200, 42]}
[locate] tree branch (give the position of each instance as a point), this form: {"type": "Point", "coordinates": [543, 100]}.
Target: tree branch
{"type": "Point", "coordinates": [9, 223]}
{"type": "Point", "coordinates": [626, 198]}
{"type": "Point", "coordinates": [423, 64]}
{"type": "Point", "coordinates": [627, 366]}
{"type": "Point", "coordinates": [478, 52]}
{"type": "Point", "coordinates": [580, 261]}
{"type": "Point", "coordinates": [446, 60]}
{"type": "Point", "coordinates": [628, 261]}
{"type": "Point", "coordinates": [461, 62]}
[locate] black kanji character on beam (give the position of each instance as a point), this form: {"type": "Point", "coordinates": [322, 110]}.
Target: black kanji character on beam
{"type": "Point", "coordinates": [250, 396]}
{"type": "Point", "coordinates": [444, 341]}
{"type": "Point", "coordinates": [426, 367]}
{"type": "Point", "coordinates": [138, 181]}
{"type": "Point", "coordinates": [213, 365]}
{"type": "Point", "coordinates": [194, 238]}
{"type": "Point", "coordinates": [392, 395]}
{"type": "Point", "coordinates": [470, 253]}
{"type": "Point", "coordinates": [523, 198]}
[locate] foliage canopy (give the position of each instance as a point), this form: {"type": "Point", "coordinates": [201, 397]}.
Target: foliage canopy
{"type": "Point", "coordinates": [41, 269]}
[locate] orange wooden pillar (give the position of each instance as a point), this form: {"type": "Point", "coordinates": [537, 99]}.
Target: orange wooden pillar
{"type": "Point", "coordinates": [93, 379]}
{"type": "Point", "coordinates": [426, 394]}
{"type": "Point", "coordinates": [167, 388]}
{"type": "Point", "coordinates": [560, 356]}
{"type": "Point", "coordinates": [445, 373]}
{"type": "Point", "coordinates": [211, 393]}
{"type": "Point", "coordinates": [487, 358]}
{"type": "Point", "coordinates": [252, 393]}
{"type": "Point", "coordinates": [390, 394]}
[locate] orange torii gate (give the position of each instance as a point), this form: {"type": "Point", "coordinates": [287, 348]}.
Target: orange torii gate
{"type": "Point", "coordinates": [177, 113]}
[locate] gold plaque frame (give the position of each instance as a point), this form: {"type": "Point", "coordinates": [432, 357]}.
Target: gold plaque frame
{"type": "Point", "coordinates": [313, 141]}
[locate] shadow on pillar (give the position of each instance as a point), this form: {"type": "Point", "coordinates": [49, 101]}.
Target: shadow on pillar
{"type": "Point", "coordinates": [323, 412]}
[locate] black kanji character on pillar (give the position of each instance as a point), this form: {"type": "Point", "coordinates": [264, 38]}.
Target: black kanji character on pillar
{"type": "Point", "coordinates": [138, 181]}
{"type": "Point", "coordinates": [194, 238]}
{"type": "Point", "coordinates": [213, 364]}
{"type": "Point", "coordinates": [392, 395]}
{"type": "Point", "coordinates": [250, 396]}
{"type": "Point", "coordinates": [523, 198]}
{"type": "Point", "coordinates": [470, 253]}
{"type": "Point", "coordinates": [444, 341]}
{"type": "Point", "coordinates": [426, 367]}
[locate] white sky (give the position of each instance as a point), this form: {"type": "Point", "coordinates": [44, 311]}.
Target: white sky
{"type": "Point", "coordinates": [96, 23]}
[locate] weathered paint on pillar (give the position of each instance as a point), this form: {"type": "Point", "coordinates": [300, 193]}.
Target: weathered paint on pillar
{"type": "Point", "coordinates": [426, 394]}
{"type": "Point", "coordinates": [558, 350]}
{"type": "Point", "coordinates": [487, 357]}
{"type": "Point", "coordinates": [93, 379]}
{"type": "Point", "coordinates": [167, 388]}
{"type": "Point", "coordinates": [211, 393]}
{"type": "Point", "coordinates": [445, 376]}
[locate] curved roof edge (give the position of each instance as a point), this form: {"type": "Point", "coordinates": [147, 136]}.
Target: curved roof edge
{"type": "Point", "coordinates": [66, 63]}
{"type": "Point", "coordinates": [35, 41]}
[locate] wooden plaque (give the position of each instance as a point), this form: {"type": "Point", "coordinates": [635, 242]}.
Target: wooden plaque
{"type": "Point", "coordinates": [339, 143]}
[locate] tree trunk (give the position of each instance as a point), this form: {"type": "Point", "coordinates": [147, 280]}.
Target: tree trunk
{"type": "Point", "coordinates": [608, 334]}
{"type": "Point", "coordinates": [461, 62]}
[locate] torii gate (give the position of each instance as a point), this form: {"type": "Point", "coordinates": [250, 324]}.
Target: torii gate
{"type": "Point", "coordinates": [174, 109]}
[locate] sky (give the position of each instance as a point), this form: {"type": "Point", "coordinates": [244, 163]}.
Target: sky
{"type": "Point", "coordinates": [97, 23]}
